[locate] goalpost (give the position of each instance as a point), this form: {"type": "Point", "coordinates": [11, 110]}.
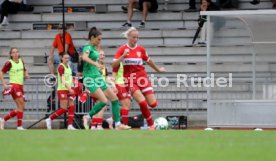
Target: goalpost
{"type": "Point", "coordinates": [243, 44]}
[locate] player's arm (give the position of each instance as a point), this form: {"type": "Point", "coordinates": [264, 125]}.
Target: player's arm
{"type": "Point", "coordinates": [2, 79]}
{"type": "Point", "coordinates": [114, 73]}
{"type": "Point", "coordinates": [109, 80]}
{"type": "Point", "coordinates": [155, 67]}
{"type": "Point", "coordinates": [116, 62]}
{"type": "Point", "coordinates": [148, 60]}
{"type": "Point", "coordinates": [26, 73]}
{"type": "Point", "coordinates": [4, 70]}
{"type": "Point", "coordinates": [51, 59]}
{"type": "Point", "coordinates": [88, 60]}
{"type": "Point", "coordinates": [67, 85]}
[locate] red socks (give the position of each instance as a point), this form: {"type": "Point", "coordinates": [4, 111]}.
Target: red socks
{"type": "Point", "coordinates": [71, 111]}
{"type": "Point", "coordinates": [124, 115]}
{"type": "Point", "coordinates": [57, 113]}
{"type": "Point", "coordinates": [96, 122]}
{"type": "Point", "coordinates": [100, 122]}
{"type": "Point", "coordinates": [19, 118]}
{"type": "Point", "coordinates": [146, 112]}
{"type": "Point", "coordinates": [10, 115]}
{"type": "Point", "coordinates": [14, 113]}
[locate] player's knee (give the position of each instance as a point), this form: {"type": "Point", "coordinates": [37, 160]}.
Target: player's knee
{"type": "Point", "coordinates": [131, 1]}
{"type": "Point", "coordinates": [154, 104]}
{"type": "Point", "coordinates": [104, 100]}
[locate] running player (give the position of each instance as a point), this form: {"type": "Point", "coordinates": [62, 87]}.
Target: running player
{"type": "Point", "coordinates": [95, 83]}
{"type": "Point", "coordinates": [97, 120]}
{"type": "Point", "coordinates": [17, 73]}
{"type": "Point", "coordinates": [66, 95]}
{"type": "Point", "coordinates": [138, 83]}
{"type": "Point", "coordinates": [122, 93]}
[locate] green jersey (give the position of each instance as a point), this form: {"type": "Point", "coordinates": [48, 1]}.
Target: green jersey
{"type": "Point", "coordinates": [91, 71]}
{"type": "Point", "coordinates": [93, 54]}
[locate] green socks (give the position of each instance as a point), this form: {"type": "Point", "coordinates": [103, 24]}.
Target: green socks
{"type": "Point", "coordinates": [97, 108]}
{"type": "Point", "coordinates": [116, 110]}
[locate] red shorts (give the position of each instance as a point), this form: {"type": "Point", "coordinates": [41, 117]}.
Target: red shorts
{"type": "Point", "coordinates": [122, 92]}
{"type": "Point", "coordinates": [17, 91]}
{"type": "Point", "coordinates": [143, 84]}
{"type": "Point", "coordinates": [64, 95]}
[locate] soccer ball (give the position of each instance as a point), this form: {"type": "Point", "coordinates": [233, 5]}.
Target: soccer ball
{"type": "Point", "coordinates": [161, 123]}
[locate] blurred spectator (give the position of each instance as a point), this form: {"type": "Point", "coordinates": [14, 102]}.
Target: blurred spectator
{"type": "Point", "coordinates": [9, 7]}
{"type": "Point", "coordinates": [227, 4]}
{"type": "Point", "coordinates": [69, 48]}
{"type": "Point", "coordinates": [192, 6]}
{"type": "Point", "coordinates": [143, 5]}
{"type": "Point", "coordinates": [206, 5]}
{"type": "Point", "coordinates": [255, 2]}
{"type": "Point", "coordinates": [12, 7]}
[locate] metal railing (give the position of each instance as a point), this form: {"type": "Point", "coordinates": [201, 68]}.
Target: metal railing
{"type": "Point", "coordinates": [173, 99]}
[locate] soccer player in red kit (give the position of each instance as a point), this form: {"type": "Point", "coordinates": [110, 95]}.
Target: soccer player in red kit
{"type": "Point", "coordinates": [137, 81]}
{"type": "Point", "coordinates": [66, 93]}
{"type": "Point", "coordinates": [17, 74]}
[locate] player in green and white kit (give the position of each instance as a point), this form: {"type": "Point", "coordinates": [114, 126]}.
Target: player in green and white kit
{"type": "Point", "coordinates": [94, 82]}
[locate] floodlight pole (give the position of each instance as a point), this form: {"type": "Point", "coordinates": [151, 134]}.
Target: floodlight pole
{"type": "Point", "coordinates": [64, 30]}
{"type": "Point", "coordinates": [63, 24]}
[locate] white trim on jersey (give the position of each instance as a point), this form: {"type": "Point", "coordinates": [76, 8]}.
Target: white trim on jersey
{"type": "Point", "coordinates": [133, 61]}
{"type": "Point", "coordinates": [147, 89]}
{"type": "Point", "coordinates": [131, 47]}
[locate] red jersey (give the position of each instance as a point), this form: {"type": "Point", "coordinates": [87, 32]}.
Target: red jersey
{"type": "Point", "coordinates": [133, 61]}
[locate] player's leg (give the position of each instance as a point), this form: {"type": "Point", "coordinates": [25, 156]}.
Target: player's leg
{"type": "Point", "coordinates": [151, 100]}
{"type": "Point", "coordinates": [131, 4]}
{"type": "Point", "coordinates": [63, 99]}
{"type": "Point", "coordinates": [18, 97]}
{"type": "Point", "coordinates": [71, 114]}
{"type": "Point", "coordinates": [20, 103]}
{"type": "Point", "coordinates": [101, 103]}
{"type": "Point", "coordinates": [125, 107]}
{"type": "Point", "coordinates": [124, 99]}
{"type": "Point", "coordinates": [139, 97]}
{"type": "Point", "coordinates": [115, 109]}
{"type": "Point", "coordinates": [146, 7]}
{"type": "Point", "coordinates": [12, 114]}
{"type": "Point", "coordinates": [148, 92]}
{"type": "Point", "coordinates": [97, 120]}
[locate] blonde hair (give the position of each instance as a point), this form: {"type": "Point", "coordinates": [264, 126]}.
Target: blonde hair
{"type": "Point", "coordinates": [127, 32]}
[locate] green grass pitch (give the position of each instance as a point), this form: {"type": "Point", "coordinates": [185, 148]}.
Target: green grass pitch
{"type": "Point", "coordinates": [135, 145]}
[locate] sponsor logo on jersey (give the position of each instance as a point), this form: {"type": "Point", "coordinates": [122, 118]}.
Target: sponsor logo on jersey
{"type": "Point", "coordinates": [133, 61]}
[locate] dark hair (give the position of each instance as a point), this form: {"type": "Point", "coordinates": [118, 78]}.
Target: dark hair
{"type": "Point", "coordinates": [94, 32]}
{"type": "Point", "coordinates": [62, 54]}
{"type": "Point", "coordinates": [12, 50]}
